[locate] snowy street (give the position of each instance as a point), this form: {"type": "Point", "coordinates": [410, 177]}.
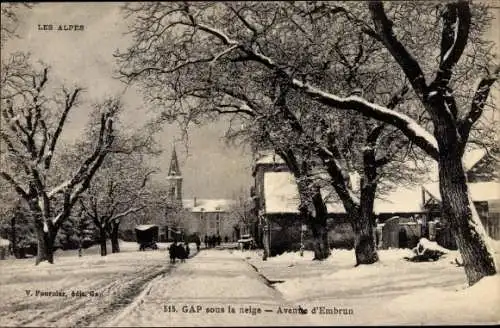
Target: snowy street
{"type": "Point", "coordinates": [76, 291]}
{"type": "Point", "coordinates": [220, 287]}
{"type": "Point", "coordinates": [202, 291]}
{"type": "Point", "coordinates": [293, 290]}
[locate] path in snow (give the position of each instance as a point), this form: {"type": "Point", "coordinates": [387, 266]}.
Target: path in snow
{"type": "Point", "coordinates": [212, 281]}
{"type": "Point", "coordinates": [117, 278]}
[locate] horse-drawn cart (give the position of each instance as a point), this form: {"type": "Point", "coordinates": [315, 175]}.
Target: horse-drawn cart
{"type": "Point", "coordinates": [147, 236]}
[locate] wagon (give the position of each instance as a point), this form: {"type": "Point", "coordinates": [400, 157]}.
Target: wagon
{"type": "Point", "coordinates": [147, 236]}
{"type": "Point", "coordinates": [246, 242]}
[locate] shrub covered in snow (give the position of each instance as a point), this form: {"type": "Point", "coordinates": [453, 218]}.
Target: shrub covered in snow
{"type": "Point", "coordinates": [427, 250]}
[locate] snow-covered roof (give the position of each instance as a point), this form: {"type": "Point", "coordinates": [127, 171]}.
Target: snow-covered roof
{"type": "Point", "coordinates": [400, 200]}
{"type": "Point", "coordinates": [143, 227]}
{"type": "Point", "coordinates": [208, 205]}
{"type": "Point", "coordinates": [270, 159]}
{"type": "Point", "coordinates": [4, 242]}
{"type": "Point", "coordinates": [282, 196]}
{"type": "Point", "coordinates": [479, 191]}
{"type": "Point", "coordinates": [472, 157]}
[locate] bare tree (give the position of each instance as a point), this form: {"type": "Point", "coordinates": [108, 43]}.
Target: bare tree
{"type": "Point", "coordinates": [33, 120]}
{"type": "Point", "coordinates": [9, 13]}
{"type": "Point", "coordinates": [240, 212]}
{"type": "Point", "coordinates": [117, 190]}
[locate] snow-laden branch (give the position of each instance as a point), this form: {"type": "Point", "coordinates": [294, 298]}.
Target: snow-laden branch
{"type": "Point", "coordinates": [58, 189]}
{"type": "Point", "coordinates": [125, 213]}
{"type": "Point", "coordinates": [456, 25]}
{"type": "Point", "coordinates": [55, 220]}
{"type": "Point", "coordinates": [223, 53]}
{"type": "Point", "coordinates": [409, 127]}
{"type": "Point", "coordinates": [238, 109]}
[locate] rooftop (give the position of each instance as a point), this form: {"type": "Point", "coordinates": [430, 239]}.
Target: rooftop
{"type": "Point", "coordinates": [208, 205]}
{"type": "Point", "coordinates": [282, 196]}
{"type": "Point", "coordinates": [479, 191]}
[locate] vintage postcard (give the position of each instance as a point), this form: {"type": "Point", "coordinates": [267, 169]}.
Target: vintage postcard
{"type": "Point", "coordinates": [249, 163]}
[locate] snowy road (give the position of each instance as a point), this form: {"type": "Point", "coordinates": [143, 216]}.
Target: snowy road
{"type": "Point", "coordinates": [205, 291]}
{"type": "Point", "coordinates": [221, 287]}
{"type": "Point", "coordinates": [76, 291]}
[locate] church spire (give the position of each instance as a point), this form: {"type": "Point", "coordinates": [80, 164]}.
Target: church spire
{"type": "Point", "coordinates": [174, 165]}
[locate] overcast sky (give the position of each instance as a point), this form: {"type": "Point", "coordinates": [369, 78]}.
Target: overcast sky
{"type": "Point", "coordinates": [212, 170]}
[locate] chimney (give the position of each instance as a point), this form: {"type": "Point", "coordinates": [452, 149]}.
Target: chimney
{"type": "Point", "coordinates": [194, 202]}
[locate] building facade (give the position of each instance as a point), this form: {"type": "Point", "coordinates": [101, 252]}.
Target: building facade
{"type": "Point", "coordinates": [404, 215]}
{"type": "Point", "coordinates": [202, 217]}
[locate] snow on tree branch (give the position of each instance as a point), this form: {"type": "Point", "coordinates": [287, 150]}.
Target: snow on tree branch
{"type": "Point", "coordinates": [456, 24]}
{"type": "Point", "coordinates": [408, 126]}
{"type": "Point", "coordinates": [127, 212]}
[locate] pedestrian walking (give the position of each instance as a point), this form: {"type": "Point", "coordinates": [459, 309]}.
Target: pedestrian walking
{"type": "Point", "coordinates": [198, 242]}
{"type": "Point", "coordinates": [180, 253]}
{"type": "Point", "coordinates": [172, 251]}
{"type": "Point", "coordinates": [186, 246]}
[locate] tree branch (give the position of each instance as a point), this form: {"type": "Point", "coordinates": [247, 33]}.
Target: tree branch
{"type": "Point", "coordinates": [454, 36]}
{"type": "Point", "coordinates": [70, 99]}
{"type": "Point", "coordinates": [409, 65]}
{"type": "Point", "coordinates": [478, 102]}
{"type": "Point", "coordinates": [127, 212]}
{"type": "Point", "coordinates": [408, 126]}
{"type": "Point", "coordinates": [16, 185]}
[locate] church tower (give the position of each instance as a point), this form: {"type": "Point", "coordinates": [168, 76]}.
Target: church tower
{"type": "Point", "coordinates": [174, 180]}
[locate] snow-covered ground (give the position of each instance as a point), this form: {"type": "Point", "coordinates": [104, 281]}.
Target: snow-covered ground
{"type": "Point", "coordinates": [142, 289]}
{"type": "Point", "coordinates": [389, 292]}
{"type": "Point", "coordinates": [116, 279]}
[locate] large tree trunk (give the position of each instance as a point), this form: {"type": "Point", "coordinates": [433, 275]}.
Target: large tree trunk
{"type": "Point", "coordinates": [102, 241]}
{"type": "Point", "coordinates": [266, 240]}
{"type": "Point", "coordinates": [13, 236]}
{"type": "Point", "coordinates": [319, 229]}
{"type": "Point", "coordinates": [46, 235]}
{"type": "Point", "coordinates": [460, 212]}
{"type": "Point", "coordinates": [115, 245]}
{"type": "Point", "coordinates": [364, 243]}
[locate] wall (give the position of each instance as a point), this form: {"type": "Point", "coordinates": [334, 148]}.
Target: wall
{"type": "Point", "coordinates": [286, 233]}
{"type": "Point", "coordinates": [210, 223]}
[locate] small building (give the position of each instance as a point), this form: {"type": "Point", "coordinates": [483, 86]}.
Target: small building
{"type": "Point", "coordinates": [482, 171]}
{"type": "Point", "coordinates": [277, 201]}
{"type": "Point", "coordinates": [210, 217]}
{"type": "Point", "coordinates": [486, 199]}
{"type": "Point", "coordinates": [4, 248]}
{"type": "Point", "coordinates": [398, 232]}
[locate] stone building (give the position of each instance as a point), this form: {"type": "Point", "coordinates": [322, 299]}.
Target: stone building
{"type": "Point", "coordinates": [195, 216]}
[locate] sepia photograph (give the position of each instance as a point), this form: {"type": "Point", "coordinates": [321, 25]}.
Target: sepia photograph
{"type": "Point", "coordinates": [250, 163]}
